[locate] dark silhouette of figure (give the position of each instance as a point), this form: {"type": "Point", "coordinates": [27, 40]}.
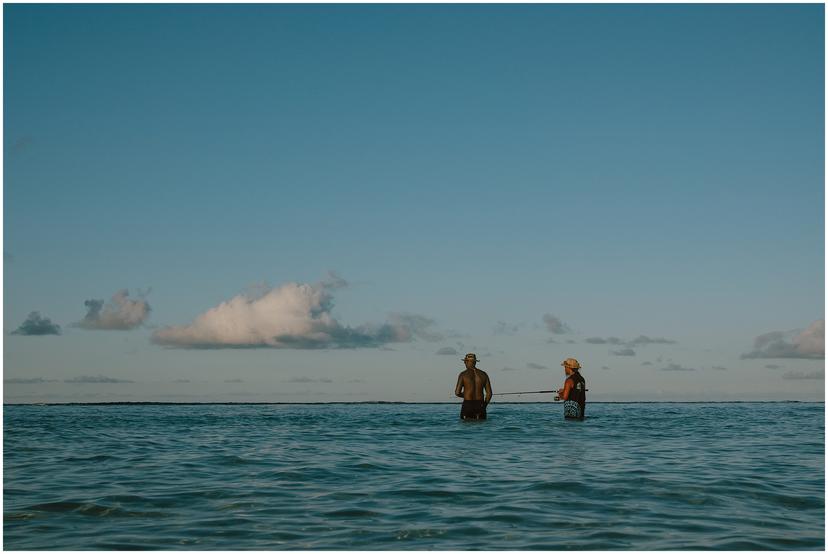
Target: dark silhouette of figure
{"type": "Point", "coordinates": [471, 385]}
{"type": "Point", "coordinates": [573, 392]}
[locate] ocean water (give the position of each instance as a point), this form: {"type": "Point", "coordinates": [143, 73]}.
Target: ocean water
{"type": "Point", "coordinates": [412, 476]}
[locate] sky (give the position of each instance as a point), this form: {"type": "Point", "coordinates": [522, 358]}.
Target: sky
{"type": "Point", "coordinates": [314, 203]}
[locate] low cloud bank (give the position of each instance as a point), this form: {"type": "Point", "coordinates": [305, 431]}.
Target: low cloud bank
{"type": "Point", "coordinates": [29, 381]}
{"type": "Point", "coordinates": [801, 375]}
{"type": "Point", "coordinates": [599, 340]}
{"type": "Point", "coordinates": [677, 367]}
{"type": "Point", "coordinates": [89, 379]}
{"type": "Point", "coordinates": [533, 365]}
{"type": "Point", "coordinates": [321, 380]}
{"type": "Point", "coordinates": [447, 351]}
{"type": "Point", "coordinates": [808, 344]}
{"type": "Point", "coordinates": [503, 328]}
{"type": "Point", "coordinates": [294, 315]}
{"type": "Point", "coordinates": [640, 340]}
{"type": "Point", "coordinates": [121, 313]}
{"type": "Point", "coordinates": [35, 325]}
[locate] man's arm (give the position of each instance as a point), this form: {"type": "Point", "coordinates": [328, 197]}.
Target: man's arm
{"type": "Point", "coordinates": [458, 390]}
{"type": "Point", "coordinates": [567, 388]}
{"type": "Point", "coordinates": [487, 389]}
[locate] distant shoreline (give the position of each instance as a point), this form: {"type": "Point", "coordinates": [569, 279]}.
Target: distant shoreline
{"type": "Point", "coordinates": [397, 403]}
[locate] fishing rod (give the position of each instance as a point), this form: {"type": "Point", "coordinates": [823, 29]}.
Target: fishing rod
{"type": "Point", "coordinates": [525, 392]}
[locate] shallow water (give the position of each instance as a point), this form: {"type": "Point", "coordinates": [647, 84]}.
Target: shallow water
{"type": "Point", "coordinates": [391, 477]}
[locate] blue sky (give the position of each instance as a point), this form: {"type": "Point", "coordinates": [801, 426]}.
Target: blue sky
{"type": "Point", "coordinates": [628, 170]}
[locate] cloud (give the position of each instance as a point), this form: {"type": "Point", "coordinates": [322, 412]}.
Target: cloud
{"type": "Point", "coordinates": [121, 313]}
{"type": "Point", "coordinates": [604, 367]}
{"type": "Point", "coordinates": [646, 363]}
{"type": "Point", "coordinates": [35, 325]}
{"type": "Point", "coordinates": [509, 369]}
{"type": "Point", "coordinates": [322, 380]}
{"type": "Point", "coordinates": [772, 366]}
{"type": "Point", "coordinates": [30, 381]}
{"type": "Point", "coordinates": [599, 340]}
{"type": "Point", "coordinates": [555, 325]}
{"type": "Point", "coordinates": [356, 380]}
{"type": "Point", "coordinates": [503, 328]}
{"type": "Point", "coordinates": [294, 316]}
{"type": "Point", "coordinates": [236, 380]}
{"type": "Point", "coordinates": [677, 367]}
{"type": "Point", "coordinates": [642, 340]}
{"type": "Point", "coordinates": [181, 381]}
{"type": "Point", "coordinates": [533, 365]}
{"type": "Point", "coordinates": [623, 352]}
{"type": "Point", "coordinates": [447, 351]}
{"type": "Point", "coordinates": [799, 375]}
{"type": "Point", "coordinates": [808, 344]}
{"type": "Point", "coordinates": [87, 379]}
{"type": "Point", "coordinates": [570, 341]}
{"type": "Point", "coordinates": [718, 367]}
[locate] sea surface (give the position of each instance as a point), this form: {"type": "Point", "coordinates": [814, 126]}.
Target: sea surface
{"type": "Point", "coordinates": [412, 476]}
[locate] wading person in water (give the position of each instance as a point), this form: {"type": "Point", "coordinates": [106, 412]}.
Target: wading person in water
{"type": "Point", "coordinates": [470, 386]}
{"type": "Point", "coordinates": [573, 392]}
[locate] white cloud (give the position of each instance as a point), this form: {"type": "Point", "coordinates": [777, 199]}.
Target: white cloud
{"type": "Point", "coordinates": [293, 315]}
{"type": "Point", "coordinates": [807, 344]}
{"type": "Point", "coordinates": [120, 313]}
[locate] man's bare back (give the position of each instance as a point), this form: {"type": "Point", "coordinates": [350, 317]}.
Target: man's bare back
{"type": "Point", "coordinates": [471, 384]}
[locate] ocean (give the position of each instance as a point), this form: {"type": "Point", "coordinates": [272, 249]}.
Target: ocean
{"type": "Point", "coordinates": [413, 477]}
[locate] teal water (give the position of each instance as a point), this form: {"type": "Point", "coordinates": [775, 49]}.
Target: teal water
{"type": "Point", "coordinates": [392, 477]}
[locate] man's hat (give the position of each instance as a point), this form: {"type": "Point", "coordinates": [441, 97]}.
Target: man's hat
{"type": "Point", "coordinates": [571, 363]}
{"type": "Point", "coordinates": [470, 356]}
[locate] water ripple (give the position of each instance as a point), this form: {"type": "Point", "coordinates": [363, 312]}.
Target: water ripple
{"type": "Point", "coordinates": [365, 477]}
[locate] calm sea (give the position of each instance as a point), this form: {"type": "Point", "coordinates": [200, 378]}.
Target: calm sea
{"type": "Point", "coordinates": [411, 476]}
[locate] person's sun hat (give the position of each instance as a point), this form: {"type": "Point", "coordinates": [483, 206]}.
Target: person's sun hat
{"type": "Point", "coordinates": [571, 363]}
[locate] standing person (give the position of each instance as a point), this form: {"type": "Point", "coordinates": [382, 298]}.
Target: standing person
{"type": "Point", "coordinates": [470, 387]}
{"type": "Point", "coordinates": [573, 392]}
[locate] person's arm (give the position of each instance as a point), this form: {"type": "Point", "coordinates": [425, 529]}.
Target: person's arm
{"type": "Point", "coordinates": [458, 390]}
{"type": "Point", "coordinates": [567, 388]}
{"type": "Point", "coordinates": [487, 388]}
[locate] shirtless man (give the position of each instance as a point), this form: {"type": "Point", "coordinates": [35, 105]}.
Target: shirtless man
{"type": "Point", "coordinates": [470, 386]}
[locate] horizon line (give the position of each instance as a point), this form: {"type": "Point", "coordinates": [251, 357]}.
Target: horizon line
{"type": "Point", "coordinates": [154, 403]}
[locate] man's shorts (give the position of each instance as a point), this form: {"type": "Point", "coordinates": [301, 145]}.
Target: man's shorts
{"type": "Point", "coordinates": [473, 409]}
